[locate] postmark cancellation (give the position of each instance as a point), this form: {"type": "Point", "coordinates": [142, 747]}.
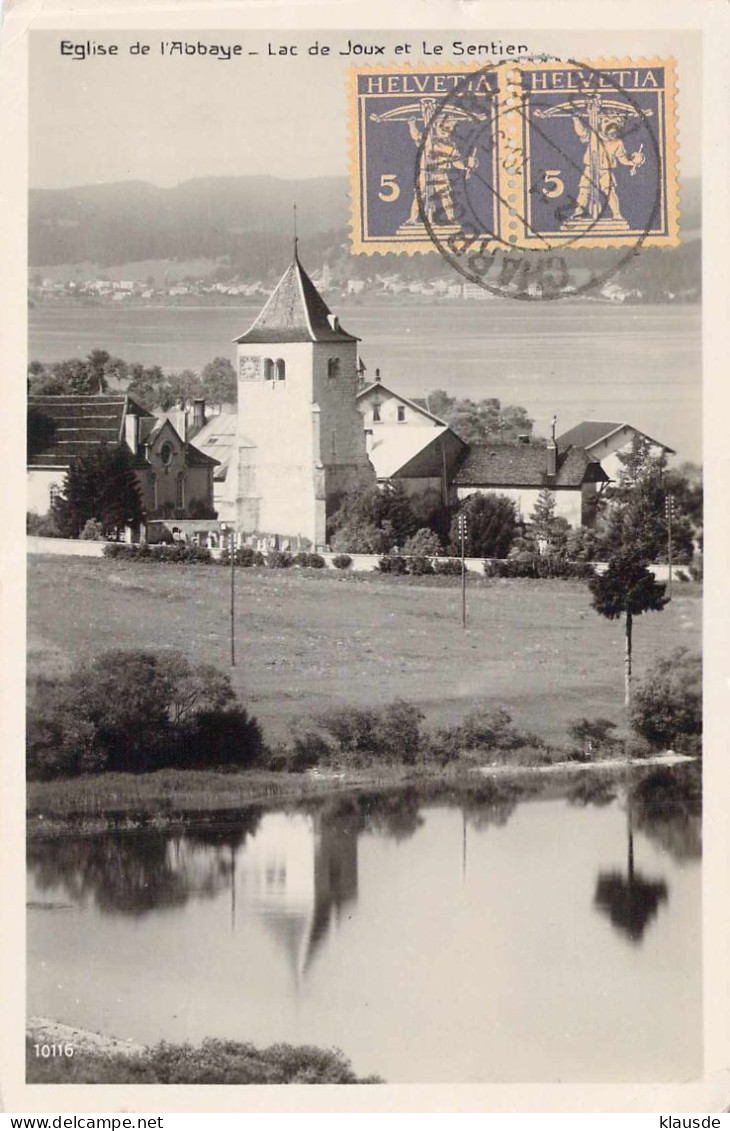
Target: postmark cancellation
{"type": "Point", "coordinates": [537, 155]}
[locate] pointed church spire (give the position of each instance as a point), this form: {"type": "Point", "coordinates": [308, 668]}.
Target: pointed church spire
{"type": "Point", "coordinates": [295, 312]}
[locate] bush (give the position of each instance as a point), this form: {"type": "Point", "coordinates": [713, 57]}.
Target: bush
{"type": "Point", "coordinates": [43, 525]}
{"type": "Point", "coordinates": [92, 531]}
{"type": "Point", "coordinates": [393, 563]}
{"type": "Point", "coordinates": [130, 710]}
{"type": "Point", "coordinates": [279, 559]}
{"type": "Point", "coordinates": [309, 560]}
{"type": "Point", "coordinates": [342, 561]}
{"type": "Point", "coordinates": [666, 707]}
{"type": "Point", "coordinates": [391, 733]}
{"type": "Point", "coordinates": [245, 556]}
{"type": "Point", "coordinates": [418, 566]}
{"type": "Point", "coordinates": [593, 735]}
{"type": "Point", "coordinates": [537, 566]}
{"type": "Point", "coordinates": [423, 544]}
{"type": "Point", "coordinates": [179, 553]}
{"type": "Point", "coordinates": [448, 567]}
{"type": "Point", "coordinates": [581, 544]}
{"type": "Point", "coordinates": [487, 729]}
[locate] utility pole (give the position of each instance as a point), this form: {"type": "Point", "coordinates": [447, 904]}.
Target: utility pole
{"type": "Point", "coordinates": [462, 539]}
{"type": "Point", "coordinates": [669, 511]}
{"type": "Point", "coordinates": [225, 529]}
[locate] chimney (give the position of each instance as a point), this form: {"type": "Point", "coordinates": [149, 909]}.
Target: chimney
{"type": "Point", "coordinates": [198, 413]}
{"type": "Point", "coordinates": [131, 431]}
{"type": "Point", "coordinates": [552, 452]}
{"type": "Point", "coordinates": [377, 374]}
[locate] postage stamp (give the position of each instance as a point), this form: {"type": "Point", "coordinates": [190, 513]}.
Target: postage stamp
{"type": "Point", "coordinates": [537, 155]}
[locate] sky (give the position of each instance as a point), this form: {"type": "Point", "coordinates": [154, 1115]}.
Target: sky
{"type": "Point", "coordinates": [167, 119]}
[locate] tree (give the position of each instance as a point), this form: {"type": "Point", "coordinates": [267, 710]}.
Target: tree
{"type": "Point", "coordinates": [478, 421]}
{"type": "Point", "coordinates": [627, 589]}
{"type": "Point", "coordinates": [667, 705]}
{"type": "Point", "coordinates": [219, 381]}
{"type": "Point", "coordinates": [549, 530]}
{"type": "Point", "coordinates": [146, 384]}
{"type": "Point", "coordinates": [101, 485]}
{"type": "Point", "coordinates": [491, 524]}
{"type": "Point", "coordinates": [636, 516]}
{"type": "Point", "coordinates": [373, 519]}
{"type": "Point", "coordinates": [179, 388]}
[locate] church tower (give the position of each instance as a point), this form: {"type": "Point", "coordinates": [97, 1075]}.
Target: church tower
{"type": "Point", "coordinates": [300, 442]}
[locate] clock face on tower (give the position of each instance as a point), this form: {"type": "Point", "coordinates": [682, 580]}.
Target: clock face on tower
{"type": "Point", "coordinates": [249, 368]}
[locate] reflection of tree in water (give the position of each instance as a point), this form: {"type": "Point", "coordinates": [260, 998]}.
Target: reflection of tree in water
{"type": "Point", "coordinates": [630, 901]}
{"type": "Point", "coordinates": [138, 872]}
{"type": "Point", "coordinates": [667, 808]}
{"type": "Point", "coordinates": [592, 789]}
{"type": "Point", "coordinates": [490, 804]}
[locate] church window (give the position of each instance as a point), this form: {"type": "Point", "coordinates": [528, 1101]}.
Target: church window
{"type": "Point", "coordinates": [280, 369]}
{"type": "Point", "coordinates": [180, 491]}
{"type": "Point", "coordinates": [54, 492]}
{"type": "Point", "coordinates": [268, 369]}
{"type": "Point", "coordinates": [401, 413]}
{"type": "Point", "coordinates": [166, 453]}
{"type": "Point", "coordinates": [334, 367]}
{"type": "Point", "coordinates": [376, 411]}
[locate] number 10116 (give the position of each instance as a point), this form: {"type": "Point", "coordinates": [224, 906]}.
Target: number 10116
{"type": "Point", "coordinates": [48, 1051]}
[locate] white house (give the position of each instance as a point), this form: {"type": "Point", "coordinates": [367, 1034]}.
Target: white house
{"type": "Point", "coordinates": [522, 471]}
{"type": "Point", "coordinates": [604, 440]}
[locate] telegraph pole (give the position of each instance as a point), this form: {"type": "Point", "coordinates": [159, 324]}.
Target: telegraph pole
{"type": "Point", "coordinates": [669, 511]}
{"type": "Point", "coordinates": [225, 529]}
{"type": "Point", "coordinates": [462, 539]}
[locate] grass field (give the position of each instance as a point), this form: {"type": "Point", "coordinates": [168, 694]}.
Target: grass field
{"type": "Point", "coordinates": [307, 640]}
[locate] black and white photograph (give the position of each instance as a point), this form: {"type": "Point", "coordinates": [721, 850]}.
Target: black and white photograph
{"type": "Point", "coordinates": [365, 539]}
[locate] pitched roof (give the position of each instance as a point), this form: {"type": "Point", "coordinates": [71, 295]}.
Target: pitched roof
{"type": "Point", "coordinates": [589, 432]}
{"type": "Point", "coordinates": [218, 435]}
{"type": "Point", "coordinates": [525, 465]}
{"type": "Point", "coordinates": [77, 423]}
{"type": "Point", "coordinates": [73, 424]}
{"type": "Point", "coordinates": [295, 312]}
{"type": "Point", "coordinates": [393, 448]}
{"type": "Point", "coordinates": [404, 400]}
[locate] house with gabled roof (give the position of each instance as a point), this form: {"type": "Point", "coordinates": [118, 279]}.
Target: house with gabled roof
{"type": "Point", "coordinates": [522, 471]}
{"type": "Point", "coordinates": [175, 478]}
{"type": "Point", "coordinates": [406, 442]}
{"type": "Point", "coordinates": [605, 440]}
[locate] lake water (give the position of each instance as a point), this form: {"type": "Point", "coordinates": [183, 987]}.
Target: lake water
{"type": "Point", "coordinates": [580, 360]}
{"type": "Point", "coordinates": [489, 936]}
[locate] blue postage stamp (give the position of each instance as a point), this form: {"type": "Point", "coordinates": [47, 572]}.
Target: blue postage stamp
{"type": "Point", "coordinates": [537, 155]}
{"type": "Point", "coordinates": [415, 147]}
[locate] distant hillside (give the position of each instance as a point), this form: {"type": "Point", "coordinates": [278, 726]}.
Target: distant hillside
{"type": "Point", "coordinates": [206, 217]}
{"type": "Point", "coordinates": [243, 226]}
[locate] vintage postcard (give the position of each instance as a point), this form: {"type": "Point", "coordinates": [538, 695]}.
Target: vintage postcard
{"type": "Point", "coordinates": [362, 696]}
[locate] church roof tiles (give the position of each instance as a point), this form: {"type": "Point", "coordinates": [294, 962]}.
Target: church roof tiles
{"type": "Point", "coordinates": [295, 312]}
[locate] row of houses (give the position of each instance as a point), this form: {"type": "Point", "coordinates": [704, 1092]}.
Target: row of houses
{"type": "Point", "coordinates": [308, 427]}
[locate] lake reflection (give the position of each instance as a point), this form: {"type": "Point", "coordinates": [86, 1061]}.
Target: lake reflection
{"type": "Point", "coordinates": [485, 935]}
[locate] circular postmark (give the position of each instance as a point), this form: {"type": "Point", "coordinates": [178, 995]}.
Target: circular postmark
{"type": "Point", "coordinates": [517, 188]}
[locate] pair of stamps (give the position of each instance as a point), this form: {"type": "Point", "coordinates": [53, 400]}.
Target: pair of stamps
{"type": "Point", "coordinates": [537, 156]}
